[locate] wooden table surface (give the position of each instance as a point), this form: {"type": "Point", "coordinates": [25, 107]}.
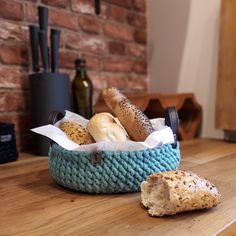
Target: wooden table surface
{"type": "Point", "coordinates": [31, 203]}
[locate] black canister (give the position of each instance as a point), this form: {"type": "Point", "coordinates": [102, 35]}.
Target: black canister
{"type": "Point", "coordinates": [49, 92]}
{"type": "Point", "coordinates": [8, 149]}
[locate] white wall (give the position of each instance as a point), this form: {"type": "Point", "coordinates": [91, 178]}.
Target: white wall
{"type": "Point", "coordinates": [183, 50]}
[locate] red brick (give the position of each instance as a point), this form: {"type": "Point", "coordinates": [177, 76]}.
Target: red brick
{"type": "Point", "coordinates": [116, 48]}
{"type": "Point", "coordinates": [12, 32]}
{"type": "Point", "coordinates": [83, 6]}
{"type": "Point", "coordinates": [117, 13]}
{"type": "Point", "coordinates": [117, 65]}
{"type": "Point", "coordinates": [17, 54]}
{"type": "Point", "coordinates": [63, 19]}
{"type": "Point", "coordinates": [13, 77]}
{"type": "Point", "coordinates": [118, 31]}
{"type": "Point", "coordinates": [86, 43]}
{"type": "Point", "coordinates": [140, 67]}
{"type": "Point", "coordinates": [56, 3]}
{"type": "Point", "coordinates": [136, 19]}
{"type": "Point", "coordinates": [67, 59]}
{"type": "Point", "coordinates": [13, 100]}
{"type": "Point", "coordinates": [90, 24]}
{"type": "Point", "coordinates": [31, 12]}
{"type": "Point", "coordinates": [93, 62]}
{"type": "Point", "coordinates": [87, 7]}
{"type": "Point", "coordinates": [11, 10]}
{"type": "Point", "coordinates": [140, 36]}
{"type": "Point", "coordinates": [72, 40]}
{"type": "Point", "coordinates": [116, 80]}
{"type": "Point", "coordinates": [103, 11]}
{"type": "Point", "coordinates": [98, 80]}
{"type": "Point", "coordinates": [139, 5]}
{"type": "Point", "coordinates": [123, 3]}
{"type": "Point", "coordinates": [136, 50]}
{"type": "Point", "coordinates": [93, 44]}
{"type": "Point", "coordinates": [20, 120]}
{"type": "Point", "coordinates": [137, 82]}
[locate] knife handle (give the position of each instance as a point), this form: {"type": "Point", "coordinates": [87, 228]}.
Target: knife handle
{"type": "Point", "coordinates": [34, 44]}
{"type": "Point", "coordinates": [43, 18]}
{"type": "Point", "coordinates": [55, 43]}
{"type": "Point", "coordinates": [97, 7]}
{"type": "Point", "coordinates": [43, 42]}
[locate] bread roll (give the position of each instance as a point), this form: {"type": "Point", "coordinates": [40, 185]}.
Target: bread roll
{"type": "Point", "coordinates": [76, 132]}
{"type": "Point", "coordinates": [170, 192]}
{"type": "Point", "coordinates": [104, 127]}
{"type": "Point", "coordinates": [135, 122]}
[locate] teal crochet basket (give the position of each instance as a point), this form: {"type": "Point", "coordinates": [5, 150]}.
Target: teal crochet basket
{"type": "Point", "coordinates": [110, 171]}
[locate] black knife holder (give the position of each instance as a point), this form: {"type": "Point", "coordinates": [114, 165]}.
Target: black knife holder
{"type": "Point", "coordinates": [49, 92]}
{"type": "Point", "coordinates": [8, 150]}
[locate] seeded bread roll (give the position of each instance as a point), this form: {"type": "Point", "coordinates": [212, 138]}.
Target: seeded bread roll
{"type": "Point", "coordinates": [170, 192]}
{"type": "Point", "coordinates": [135, 122]}
{"type": "Point", "coordinates": [104, 127]}
{"type": "Point", "coordinates": [76, 132]}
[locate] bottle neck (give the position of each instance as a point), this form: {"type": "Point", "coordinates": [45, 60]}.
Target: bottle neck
{"type": "Point", "coordinates": [81, 71]}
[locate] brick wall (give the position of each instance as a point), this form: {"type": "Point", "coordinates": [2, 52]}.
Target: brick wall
{"type": "Point", "coordinates": [114, 44]}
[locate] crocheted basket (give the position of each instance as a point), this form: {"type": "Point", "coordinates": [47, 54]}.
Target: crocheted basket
{"type": "Point", "coordinates": [112, 171]}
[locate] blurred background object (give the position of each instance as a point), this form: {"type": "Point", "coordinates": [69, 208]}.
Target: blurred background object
{"type": "Point", "coordinates": [114, 44]}
{"type": "Point", "coordinates": [183, 39]}
{"type": "Point", "coordinates": [226, 93]}
{"type": "Point", "coordinates": [8, 149]}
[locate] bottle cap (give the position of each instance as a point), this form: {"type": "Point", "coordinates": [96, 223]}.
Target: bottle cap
{"type": "Point", "coordinates": [80, 62]}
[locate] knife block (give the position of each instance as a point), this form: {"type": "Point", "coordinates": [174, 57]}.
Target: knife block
{"type": "Point", "coordinates": [48, 92]}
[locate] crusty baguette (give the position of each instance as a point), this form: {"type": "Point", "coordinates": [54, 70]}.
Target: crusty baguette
{"type": "Point", "coordinates": [170, 192]}
{"type": "Point", "coordinates": [104, 127]}
{"type": "Point", "coordinates": [135, 122]}
{"type": "Point", "coordinates": [76, 132]}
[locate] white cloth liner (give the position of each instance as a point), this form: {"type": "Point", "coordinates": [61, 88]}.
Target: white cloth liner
{"type": "Point", "coordinates": [162, 135]}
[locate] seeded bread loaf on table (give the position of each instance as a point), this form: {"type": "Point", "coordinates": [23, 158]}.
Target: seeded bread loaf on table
{"type": "Point", "coordinates": [135, 122]}
{"type": "Point", "coordinates": [168, 193]}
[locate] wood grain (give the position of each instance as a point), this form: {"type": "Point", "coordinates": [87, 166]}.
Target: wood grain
{"type": "Point", "coordinates": [32, 203]}
{"type": "Point", "coordinates": [229, 231]}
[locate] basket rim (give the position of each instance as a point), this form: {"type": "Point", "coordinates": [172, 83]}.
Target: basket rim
{"type": "Point", "coordinates": [111, 151]}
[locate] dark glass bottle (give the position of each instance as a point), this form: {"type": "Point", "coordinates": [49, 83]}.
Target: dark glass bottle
{"type": "Point", "coordinates": [82, 90]}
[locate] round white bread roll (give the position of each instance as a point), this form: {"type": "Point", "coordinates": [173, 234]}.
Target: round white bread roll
{"type": "Point", "coordinates": [104, 127]}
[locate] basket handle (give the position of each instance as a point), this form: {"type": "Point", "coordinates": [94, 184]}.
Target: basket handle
{"type": "Point", "coordinates": [53, 118]}
{"type": "Point", "coordinates": [172, 120]}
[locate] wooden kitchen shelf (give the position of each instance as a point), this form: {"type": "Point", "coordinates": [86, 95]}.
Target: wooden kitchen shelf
{"type": "Point", "coordinates": [154, 106]}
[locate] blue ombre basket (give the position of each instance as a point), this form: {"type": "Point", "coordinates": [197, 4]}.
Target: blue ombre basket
{"type": "Point", "coordinates": [112, 171]}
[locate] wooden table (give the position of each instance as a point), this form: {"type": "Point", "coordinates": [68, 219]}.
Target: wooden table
{"type": "Point", "coordinates": [31, 203]}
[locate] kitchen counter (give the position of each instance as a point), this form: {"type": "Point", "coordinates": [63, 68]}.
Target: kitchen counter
{"type": "Point", "coordinates": [32, 203]}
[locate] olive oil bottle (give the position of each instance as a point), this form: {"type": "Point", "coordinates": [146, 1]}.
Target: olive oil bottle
{"type": "Point", "coordinates": [82, 90]}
